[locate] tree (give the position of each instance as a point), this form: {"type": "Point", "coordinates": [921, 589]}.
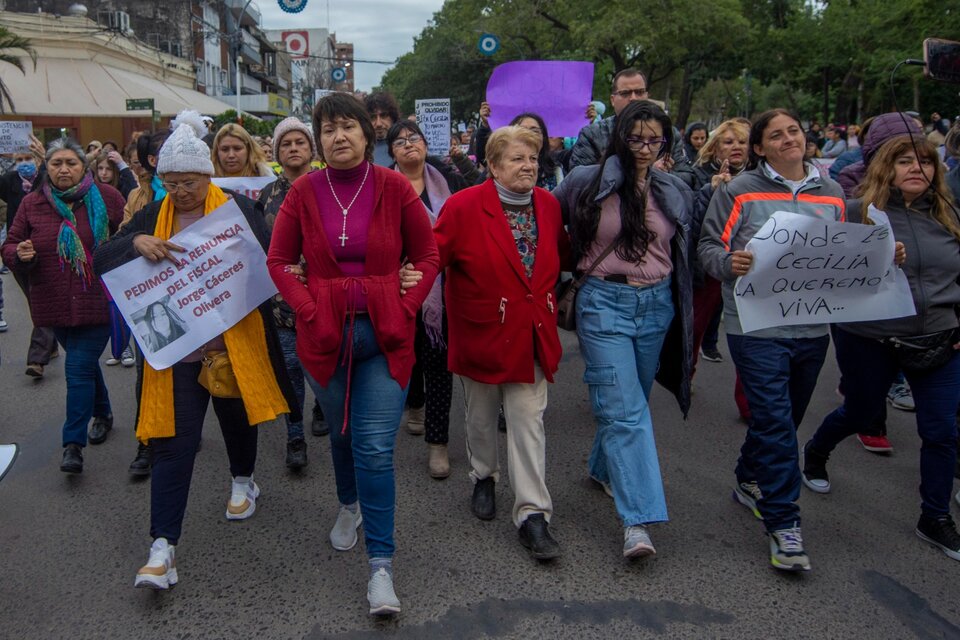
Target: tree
{"type": "Point", "coordinates": [10, 42]}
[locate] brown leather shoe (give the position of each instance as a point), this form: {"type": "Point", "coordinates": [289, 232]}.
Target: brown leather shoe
{"type": "Point", "coordinates": [439, 462]}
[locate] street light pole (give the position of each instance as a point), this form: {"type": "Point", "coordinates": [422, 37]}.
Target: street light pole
{"type": "Point", "coordinates": [237, 54]}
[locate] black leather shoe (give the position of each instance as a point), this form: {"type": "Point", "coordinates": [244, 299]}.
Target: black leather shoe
{"type": "Point", "coordinates": [484, 504]}
{"type": "Point", "coordinates": [296, 454]}
{"type": "Point", "coordinates": [140, 466]}
{"type": "Point", "coordinates": [318, 426]}
{"type": "Point", "coordinates": [535, 536]}
{"type": "Point", "coordinates": [99, 429]}
{"type": "Point", "coordinates": [72, 459]}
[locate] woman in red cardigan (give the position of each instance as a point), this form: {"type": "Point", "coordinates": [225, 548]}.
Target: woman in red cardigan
{"type": "Point", "coordinates": [503, 244]}
{"type": "Point", "coordinates": [354, 224]}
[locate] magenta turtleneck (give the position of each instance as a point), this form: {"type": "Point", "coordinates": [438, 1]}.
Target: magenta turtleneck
{"type": "Point", "coordinates": [353, 254]}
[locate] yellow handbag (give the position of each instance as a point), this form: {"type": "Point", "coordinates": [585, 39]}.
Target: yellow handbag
{"type": "Point", "coordinates": [216, 375]}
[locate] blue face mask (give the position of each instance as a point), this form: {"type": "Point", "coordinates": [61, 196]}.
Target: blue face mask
{"type": "Point", "coordinates": [27, 170]}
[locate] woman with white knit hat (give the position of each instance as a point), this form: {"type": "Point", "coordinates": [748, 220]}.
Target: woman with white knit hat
{"type": "Point", "coordinates": [172, 401]}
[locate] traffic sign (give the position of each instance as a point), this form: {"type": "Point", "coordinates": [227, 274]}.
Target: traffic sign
{"type": "Point", "coordinates": [292, 6]}
{"type": "Point", "coordinates": [489, 44]}
{"type": "Point", "coordinates": [339, 74]}
{"type": "Point", "coordinates": [139, 104]}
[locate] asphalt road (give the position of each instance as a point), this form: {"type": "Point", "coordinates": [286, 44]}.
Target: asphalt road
{"type": "Point", "coordinates": [70, 545]}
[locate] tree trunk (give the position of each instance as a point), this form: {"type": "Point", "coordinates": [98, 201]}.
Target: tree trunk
{"type": "Point", "coordinates": [686, 99]}
{"type": "Point", "coordinates": [826, 96]}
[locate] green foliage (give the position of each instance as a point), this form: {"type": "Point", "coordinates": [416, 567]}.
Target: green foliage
{"type": "Point", "coordinates": [827, 59]}
{"type": "Point", "coordinates": [254, 126]}
{"type": "Point", "coordinates": [10, 43]}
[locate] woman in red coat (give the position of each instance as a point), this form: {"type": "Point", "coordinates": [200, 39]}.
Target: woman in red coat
{"type": "Point", "coordinates": [503, 243]}
{"type": "Point", "coordinates": [51, 245]}
{"type": "Point", "coordinates": [354, 223]}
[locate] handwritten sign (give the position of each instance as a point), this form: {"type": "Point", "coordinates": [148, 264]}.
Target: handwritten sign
{"type": "Point", "coordinates": [175, 309]}
{"type": "Point", "coordinates": [250, 187]}
{"type": "Point", "coordinates": [557, 91]}
{"type": "Point", "coordinates": [433, 116]}
{"type": "Point", "coordinates": [811, 271]}
{"type": "Point", "coordinates": [15, 136]}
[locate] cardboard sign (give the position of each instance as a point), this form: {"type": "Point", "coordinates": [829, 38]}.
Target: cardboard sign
{"type": "Point", "coordinates": [557, 91]}
{"type": "Point", "coordinates": [15, 136]}
{"type": "Point", "coordinates": [250, 187]}
{"type": "Point", "coordinates": [433, 116]}
{"type": "Point", "coordinates": [808, 270]}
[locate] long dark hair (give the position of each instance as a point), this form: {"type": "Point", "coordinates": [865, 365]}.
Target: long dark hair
{"type": "Point", "coordinates": [149, 145]}
{"type": "Point", "coordinates": [760, 125]}
{"type": "Point", "coordinates": [634, 237]}
{"type": "Point", "coordinates": [546, 165]}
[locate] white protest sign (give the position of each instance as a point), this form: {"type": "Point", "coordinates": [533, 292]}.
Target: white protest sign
{"type": "Point", "coordinates": [175, 309]}
{"type": "Point", "coordinates": [812, 271]}
{"type": "Point", "coordinates": [250, 187]}
{"type": "Point", "coordinates": [433, 116]}
{"type": "Point", "coordinates": [15, 136]}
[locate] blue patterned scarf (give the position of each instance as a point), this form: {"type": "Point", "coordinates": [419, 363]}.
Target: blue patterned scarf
{"type": "Point", "coordinates": [69, 246]}
{"type": "Point", "coordinates": [159, 193]}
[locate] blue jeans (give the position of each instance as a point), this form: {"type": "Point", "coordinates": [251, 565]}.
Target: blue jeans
{"type": "Point", "coordinates": [87, 395]}
{"type": "Point", "coordinates": [363, 453]}
{"type": "Point", "coordinates": [778, 377]}
{"type": "Point", "coordinates": [288, 343]}
{"type": "Point", "coordinates": [621, 330]}
{"type": "Point", "coordinates": [868, 370]}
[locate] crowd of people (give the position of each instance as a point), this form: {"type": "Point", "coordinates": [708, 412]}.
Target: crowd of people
{"type": "Point", "coordinates": [399, 267]}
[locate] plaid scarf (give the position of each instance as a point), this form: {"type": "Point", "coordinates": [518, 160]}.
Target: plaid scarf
{"type": "Point", "coordinates": [69, 246]}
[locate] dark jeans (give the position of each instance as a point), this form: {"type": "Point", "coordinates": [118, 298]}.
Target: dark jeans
{"type": "Point", "coordinates": [42, 339]}
{"type": "Point", "coordinates": [288, 343]}
{"type": "Point", "coordinates": [707, 305]}
{"type": "Point", "coordinates": [86, 391]}
{"type": "Point", "coordinates": [778, 377]}
{"type": "Point", "coordinates": [868, 370]}
{"type": "Point", "coordinates": [172, 458]}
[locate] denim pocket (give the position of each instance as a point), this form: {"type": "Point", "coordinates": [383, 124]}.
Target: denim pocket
{"type": "Point", "coordinates": [606, 395]}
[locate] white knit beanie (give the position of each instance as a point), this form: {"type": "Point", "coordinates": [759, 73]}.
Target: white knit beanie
{"type": "Point", "coordinates": [184, 151]}
{"type": "Point", "coordinates": [284, 127]}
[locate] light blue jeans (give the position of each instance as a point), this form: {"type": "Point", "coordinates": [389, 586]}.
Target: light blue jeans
{"type": "Point", "coordinates": [621, 329]}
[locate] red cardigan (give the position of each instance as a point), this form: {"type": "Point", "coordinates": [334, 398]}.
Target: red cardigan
{"type": "Point", "coordinates": [58, 297]}
{"type": "Point", "coordinates": [399, 229]}
{"type": "Point", "coordinates": [499, 319]}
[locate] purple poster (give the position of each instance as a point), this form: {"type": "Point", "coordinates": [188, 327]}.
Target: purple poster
{"type": "Point", "coordinates": [559, 91]}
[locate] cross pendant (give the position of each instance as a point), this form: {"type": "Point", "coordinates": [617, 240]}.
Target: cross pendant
{"type": "Point", "coordinates": [344, 213]}
{"type": "Point", "coordinates": [343, 239]}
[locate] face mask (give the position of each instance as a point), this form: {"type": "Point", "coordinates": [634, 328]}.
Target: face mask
{"type": "Point", "coordinates": [27, 170]}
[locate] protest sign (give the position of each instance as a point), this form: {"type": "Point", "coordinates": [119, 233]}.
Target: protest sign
{"type": "Point", "coordinates": [808, 270]}
{"type": "Point", "coordinates": [433, 116]}
{"type": "Point", "coordinates": [176, 309]}
{"type": "Point", "coordinates": [557, 91]}
{"type": "Point", "coordinates": [250, 187]}
{"type": "Point", "coordinates": [15, 136]}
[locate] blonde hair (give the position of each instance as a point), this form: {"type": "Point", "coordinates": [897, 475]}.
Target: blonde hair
{"type": "Point", "coordinates": [254, 152]}
{"type": "Point", "coordinates": [876, 186]}
{"type": "Point", "coordinates": [708, 152]}
{"type": "Point", "coordinates": [501, 138]}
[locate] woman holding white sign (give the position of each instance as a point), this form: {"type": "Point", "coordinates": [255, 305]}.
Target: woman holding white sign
{"type": "Point", "coordinates": [173, 402]}
{"type": "Point", "coordinates": [778, 366]}
{"type": "Point", "coordinates": [905, 180]}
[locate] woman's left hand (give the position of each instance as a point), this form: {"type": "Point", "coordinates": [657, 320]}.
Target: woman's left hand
{"type": "Point", "coordinates": [899, 254]}
{"type": "Point", "coordinates": [455, 151]}
{"type": "Point", "coordinates": [409, 278]}
{"type": "Point", "coordinates": [665, 163]}
{"type": "Point", "coordinates": [298, 272]}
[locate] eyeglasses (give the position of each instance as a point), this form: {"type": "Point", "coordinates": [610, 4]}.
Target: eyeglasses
{"type": "Point", "coordinates": [628, 93]}
{"type": "Point", "coordinates": [413, 138]}
{"type": "Point", "coordinates": [174, 187]}
{"type": "Point", "coordinates": [635, 143]}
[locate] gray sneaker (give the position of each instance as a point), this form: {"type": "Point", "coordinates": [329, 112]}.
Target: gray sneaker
{"type": "Point", "coordinates": [747, 494]}
{"type": "Point", "coordinates": [636, 542]}
{"type": "Point", "coordinates": [786, 550]}
{"type": "Point", "coordinates": [380, 594]}
{"type": "Point", "coordinates": [343, 536]}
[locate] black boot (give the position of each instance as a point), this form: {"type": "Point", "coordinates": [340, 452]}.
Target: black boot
{"type": "Point", "coordinates": [140, 466]}
{"type": "Point", "coordinates": [72, 459]}
{"type": "Point", "coordinates": [99, 429]}
{"type": "Point", "coordinates": [535, 536]}
{"type": "Point", "coordinates": [296, 454]}
{"type": "Point", "coordinates": [484, 504]}
{"type": "Point", "coordinates": [318, 426]}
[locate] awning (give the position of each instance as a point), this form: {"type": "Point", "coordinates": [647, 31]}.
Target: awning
{"type": "Point", "coordinates": [85, 88]}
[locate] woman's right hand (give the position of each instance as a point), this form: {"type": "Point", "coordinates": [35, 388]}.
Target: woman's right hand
{"type": "Point", "coordinates": [485, 113]}
{"type": "Point", "coordinates": [741, 263]}
{"type": "Point", "coordinates": [25, 251]}
{"type": "Point", "coordinates": [722, 176]}
{"type": "Point", "coordinates": [409, 278]}
{"type": "Point", "coordinates": [154, 249]}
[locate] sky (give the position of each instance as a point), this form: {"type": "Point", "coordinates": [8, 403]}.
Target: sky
{"type": "Point", "coordinates": [378, 29]}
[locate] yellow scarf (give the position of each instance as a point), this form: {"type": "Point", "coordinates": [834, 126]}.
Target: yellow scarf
{"type": "Point", "coordinates": [246, 343]}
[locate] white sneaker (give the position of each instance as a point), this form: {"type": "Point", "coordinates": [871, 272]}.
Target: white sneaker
{"type": "Point", "coordinates": [160, 572]}
{"type": "Point", "coordinates": [111, 362]}
{"type": "Point", "coordinates": [127, 359]}
{"type": "Point", "coordinates": [380, 594]}
{"type": "Point", "coordinates": [636, 542]}
{"type": "Point", "coordinates": [343, 536]}
{"type": "Point", "coordinates": [3, 325]}
{"type": "Point", "coordinates": [243, 498]}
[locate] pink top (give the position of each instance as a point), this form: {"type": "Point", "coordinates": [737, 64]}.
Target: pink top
{"type": "Point", "coordinates": [656, 264]}
{"type": "Point", "coordinates": [351, 251]}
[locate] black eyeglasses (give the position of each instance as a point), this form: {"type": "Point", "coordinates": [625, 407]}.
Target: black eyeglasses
{"type": "Point", "coordinates": [413, 138]}
{"type": "Point", "coordinates": [628, 93]}
{"type": "Point", "coordinates": [635, 143]}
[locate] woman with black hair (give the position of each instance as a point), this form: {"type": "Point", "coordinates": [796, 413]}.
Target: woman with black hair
{"type": "Point", "coordinates": [629, 224]}
{"type": "Point", "coordinates": [695, 136]}
{"type": "Point", "coordinates": [163, 326]}
{"type": "Point", "coordinates": [549, 171]}
{"type": "Point", "coordinates": [150, 189]}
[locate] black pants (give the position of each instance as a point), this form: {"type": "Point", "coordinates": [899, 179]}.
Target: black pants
{"type": "Point", "coordinates": [431, 384]}
{"type": "Point", "coordinates": [42, 341]}
{"type": "Point", "coordinates": [172, 458]}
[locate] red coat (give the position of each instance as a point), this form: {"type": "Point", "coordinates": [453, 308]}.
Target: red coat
{"type": "Point", "coordinates": [399, 228]}
{"type": "Point", "coordinates": [58, 297]}
{"type": "Point", "coordinates": [499, 319]}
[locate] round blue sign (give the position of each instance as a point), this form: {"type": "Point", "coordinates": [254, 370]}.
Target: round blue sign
{"type": "Point", "coordinates": [292, 6]}
{"type": "Point", "coordinates": [489, 44]}
{"type": "Point", "coordinates": [339, 74]}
